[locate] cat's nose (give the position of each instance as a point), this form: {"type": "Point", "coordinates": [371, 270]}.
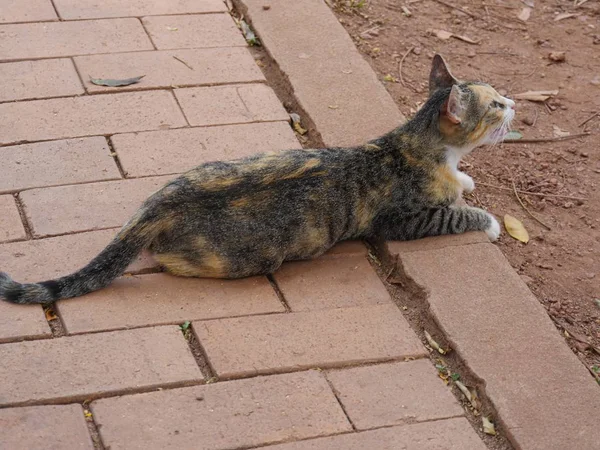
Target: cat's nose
{"type": "Point", "coordinates": [511, 104]}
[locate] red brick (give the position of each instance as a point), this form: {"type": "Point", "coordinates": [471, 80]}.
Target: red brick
{"type": "Point", "coordinates": [52, 39]}
{"type": "Point", "coordinates": [144, 153]}
{"type": "Point", "coordinates": [48, 427]}
{"type": "Point", "coordinates": [347, 248]}
{"type": "Point", "coordinates": [74, 368]}
{"type": "Point", "coordinates": [56, 162]}
{"type": "Point", "coordinates": [92, 9]}
{"type": "Point", "coordinates": [435, 242]}
{"type": "Point", "coordinates": [65, 209]}
{"type": "Point", "coordinates": [162, 299]}
{"type": "Point", "coordinates": [234, 414]}
{"type": "Point", "coordinates": [230, 104]}
{"type": "Point", "coordinates": [325, 70]}
{"type": "Point", "coordinates": [199, 31]}
{"type": "Point", "coordinates": [18, 321]}
{"type": "Point", "coordinates": [330, 283]}
{"type": "Point", "coordinates": [27, 11]}
{"type": "Point", "coordinates": [11, 227]}
{"type": "Point", "coordinates": [329, 338]}
{"type": "Point", "coordinates": [543, 394]}
{"type": "Point", "coordinates": [42, 259]}
{"type": "Point", "coordinates": [83, 116]}
{"type": "Point", "coordinates": [392, 394]}
{"type": "Point", "coordinates": [451, 434]}
{"type": "Point", "coordinates": [161, 69]}
{"type": "Point", "coordinates": [38, 79]}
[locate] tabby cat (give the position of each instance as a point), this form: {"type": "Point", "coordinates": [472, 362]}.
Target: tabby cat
{"type": "Point", "coordinates": [245, 217]}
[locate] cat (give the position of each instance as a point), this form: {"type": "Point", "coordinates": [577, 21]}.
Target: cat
{"type": "Point", "coordinates": [246, 217]}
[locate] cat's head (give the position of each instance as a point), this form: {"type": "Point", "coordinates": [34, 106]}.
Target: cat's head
{"type": "Point", "coordinates": [471, 113]}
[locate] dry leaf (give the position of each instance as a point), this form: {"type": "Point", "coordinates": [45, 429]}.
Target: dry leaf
{"type": "Point", "coordinates": [172, 28]}
{"type": "Point", "coordinates": [515, 228]}
{"type": "Point", "coordinates": [524, 14]}
{"type": "Point", "coordinates": [535, 96]}
{"type": "Point", "coordinates": [488, 427]}
{"type": "Point", "coordinates": [442, 34]}
{"type": "Point", "coordinates": [333, 106]}
{"type": "Point", "coordinates": [557, 132]}
{"type": "Point", "coordinates": [389, 78]}
{"type": "Point", "coordinates": [464, 390]}
{"type": "Point", "coordinates": [465, 39]}
{"type": "Point", "coordinates": [564, 16]}
{"type": "Point", "coordinates": [434, 344]}
{"type": "Point", "coordinates": [116, 83]}
{"type": "Point", "coordinates": [295, 118]}
{"type": "Point", "coordinates": [50, 314]}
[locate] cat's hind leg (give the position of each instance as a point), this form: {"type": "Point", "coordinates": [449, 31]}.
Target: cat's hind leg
{"type": "Point", "coordinates": [441, 221]}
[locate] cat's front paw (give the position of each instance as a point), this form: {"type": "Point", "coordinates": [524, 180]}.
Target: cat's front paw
{"type": "Point", "coordinates": [466, 182]}
{"type": "Point", "coordinates": [493, 230]}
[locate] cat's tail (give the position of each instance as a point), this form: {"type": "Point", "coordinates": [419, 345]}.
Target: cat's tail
{"type": "Point", "coordinates": [134, 237]}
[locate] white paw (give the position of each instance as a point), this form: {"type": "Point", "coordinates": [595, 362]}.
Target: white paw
{"type": "Point", "coordinates": [493, 231]}
{"type": "Point", "coordinates": [466, 182]}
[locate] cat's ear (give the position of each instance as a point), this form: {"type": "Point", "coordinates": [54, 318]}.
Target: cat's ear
{"type": "Point", "coordinates": [440, 76]}
{"type": "Point", "coordinates": [453, 108]}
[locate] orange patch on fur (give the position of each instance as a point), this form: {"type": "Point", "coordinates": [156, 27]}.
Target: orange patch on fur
{"type": "Point", "coordinates": [444, 186]}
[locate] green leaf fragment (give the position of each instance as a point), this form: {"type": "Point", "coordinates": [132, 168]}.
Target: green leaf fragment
{"type": "Point", "coordinates": [513, 136]}
{"type": "Point", "coordinates": [185, 325]}
{"type": "Point", "coordinates": [116, 83]}
{"type": "Point", "coordinates": [249, 35]}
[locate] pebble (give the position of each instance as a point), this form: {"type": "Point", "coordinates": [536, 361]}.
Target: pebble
{"type": "Point", "coordinates": [266, 7]}
{"type": "Point", "coordinates": [527, 120]}
{"type": "Point", "coordinates": [417, 50]}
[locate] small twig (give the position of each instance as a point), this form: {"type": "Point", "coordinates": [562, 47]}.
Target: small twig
{"type": "Point", "coordinates": [588, 119]}
{"type": "Point", "coordinates": [183, 62]}
{"type": "Point", "coordinates": [400, 65]}
{"type": "Point", "coordinates": [537, 114]}
{"type": "Point", "coordinates": [537, 194]}
{"type": "Point", "coordinates": [458, 8]}
{"type": "Point", "coordinates": [547, 108]}
{"type": "Point", "coordinates": [525, 207]}
{"type": "Point", "coordinates": [554, 139]}
{"type": "Point", "coordinates": [578, 4]}
{"type": "Point", "coordinates": [375, 28]}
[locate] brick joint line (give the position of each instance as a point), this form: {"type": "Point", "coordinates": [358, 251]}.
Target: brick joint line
{"type": "Point", "coordinates": [115, 156]}
{"type": "Point", "coordinates": [92, 426]}
{"type": "Point", "coordinates": [279, 293]}
{"type": "Point", "coordinates": [406, 292]}
{"type": "Point", "coordinates": [200, 355]}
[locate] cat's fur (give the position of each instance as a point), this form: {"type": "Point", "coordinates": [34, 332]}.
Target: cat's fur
{"type": "Point", "coordinates": [245, 217]}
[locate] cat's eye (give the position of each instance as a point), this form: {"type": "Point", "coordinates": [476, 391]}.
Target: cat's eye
{"type": "Point", "coordinates": [496, 104]}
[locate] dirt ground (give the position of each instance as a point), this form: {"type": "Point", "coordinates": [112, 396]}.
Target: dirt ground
{"type": "Point", "coordinates": [561, 262]}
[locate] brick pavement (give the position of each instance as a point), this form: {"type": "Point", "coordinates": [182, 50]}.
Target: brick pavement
{"type": "Point", "coordinates": [202, 98]}
{"type": "Point", "coordinates": [316, 357]}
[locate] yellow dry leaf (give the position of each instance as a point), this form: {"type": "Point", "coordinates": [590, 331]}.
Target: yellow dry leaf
{"type": "Point", "coordinates": [488, 427]}
{"type": "Point", "coordinates": [515, 228]}
{"type": "Point", "coordinates": [87, 414]}
{"type": "Point", "coordinates": [389, 78]}
{"type": "Point", "coordinates": [433, 344]}
{"type": "Point", "coordinates": [301, 131]}
{"type": "Point", "coordinates": [50, 314]}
